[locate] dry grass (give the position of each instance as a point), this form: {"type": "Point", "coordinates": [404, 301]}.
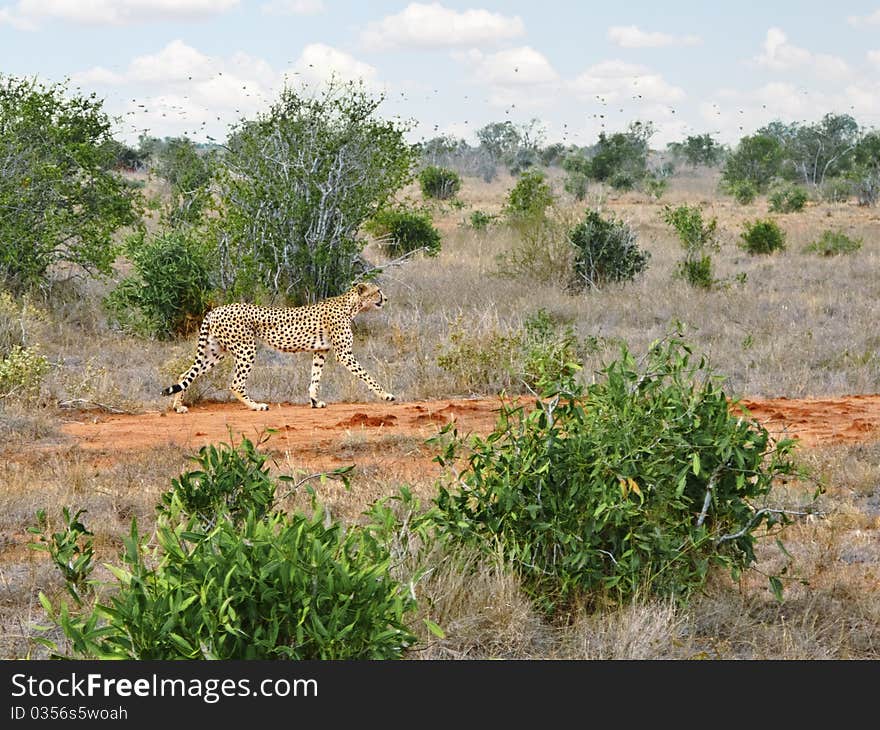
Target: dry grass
{"type": "Point", "coordinates": [799, 325]}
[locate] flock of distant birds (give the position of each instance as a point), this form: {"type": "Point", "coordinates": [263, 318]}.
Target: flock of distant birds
{"type": "Point", "coordinates": [600, 116]}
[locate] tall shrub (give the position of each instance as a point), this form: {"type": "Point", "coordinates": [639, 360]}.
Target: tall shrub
{"type": "Point", "coordinates": [297, 184]}
{"type": "Point", "coordinates": [61, 199]}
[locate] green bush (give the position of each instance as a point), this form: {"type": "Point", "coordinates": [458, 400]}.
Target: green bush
{"type": "Point", "coordinates": [480, 220]}
{"type": "Point", "coordinates": [655, 186]}
{"type": "Point", "coordinates": [577, 175]}
{"type": "Point", "coordinates": [230, 483]}
{"type": "Point", "coordinates": [551, 357]}
{"type": "Point", "coordinates": [762, 237]}
{"type": "Point", "coordinates": [529, 198]}
{"type": "Point", "coordinates": [743, 191]}
{"type": "Point", "coordinates": [834, 243]}
{"type": "Point", "coordinates": [439, 182]}
{"type": "Point", "coordinates": [637, 485]}
{"type": "Point", "coordinates": [170, 289]}
{"type": "Point", "coordinates": [404, 231]}
{"type": "Point", "coordinates": [606, 251]}
{"type": "Point", "coordinates": [274, 586]}
{"type": "Point", "coordinates": [22, 370]}
{"type": "Point", "coordinates": [697, 239]}
{"type": "Point", "coordinates": [788, 199]}
{"type": "Point", "coordinates": [71, 549]}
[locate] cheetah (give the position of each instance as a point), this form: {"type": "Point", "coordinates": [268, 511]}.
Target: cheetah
{"type": "Point", "coordinates": [316, 328]}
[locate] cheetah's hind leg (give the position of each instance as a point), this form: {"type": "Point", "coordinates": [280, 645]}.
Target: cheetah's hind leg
{"type": "Point", "coordinates": [206, 358]}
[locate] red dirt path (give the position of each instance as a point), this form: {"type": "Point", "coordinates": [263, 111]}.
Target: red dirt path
{"type": "Point", "coordinates": [845, 419]}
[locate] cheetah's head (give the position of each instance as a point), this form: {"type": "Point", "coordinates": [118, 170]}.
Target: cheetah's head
{"type": "Point", "coordinates": [369, 296]}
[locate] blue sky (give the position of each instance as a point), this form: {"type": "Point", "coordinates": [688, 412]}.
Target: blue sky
{"type": "Point", "coordinates": [196, 66]}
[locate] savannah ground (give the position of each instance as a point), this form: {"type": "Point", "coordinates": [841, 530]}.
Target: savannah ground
{"type": "Point", "coordinates": [794, 333]}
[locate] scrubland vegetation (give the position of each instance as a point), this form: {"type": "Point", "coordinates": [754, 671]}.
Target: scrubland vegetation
{"type": "Point", "coordinates": [624, 511]}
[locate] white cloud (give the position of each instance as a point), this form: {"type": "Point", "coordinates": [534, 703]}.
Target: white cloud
{"type": "Point", "coordinates": [734, 113]}
{"type": "Point", "coordinates": [29, 13]}
{"type": "Point", "coordinates": [293, 7]}
{"type": "Point", "coordinates": [780, 55]}
{"type": "Point", "coordinates": [858, 21]}
{"type": "Point", "coordinates": [180, 90]}
{"type": "Point", "coordinates": [176, 62]}
{"type": "Point", "coordinates": [434, 26]}
{"type": "Point", "coordinates": [318, 62]}
{"type": "Point", "coordinates": [616, 81]}
{"type": "Point", "coordinates": [874, 57]}
{"type": "Point", "coordinates": [630, 36]}
{"type": "Point", "coordinates": [521, 66]}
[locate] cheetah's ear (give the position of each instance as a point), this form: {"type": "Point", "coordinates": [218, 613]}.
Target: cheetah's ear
{"type": "Point", "coordinates": [362, 288]}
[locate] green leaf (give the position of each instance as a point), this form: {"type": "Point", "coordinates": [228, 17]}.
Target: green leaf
{"type": "Point", "coordinates": [435, 629]}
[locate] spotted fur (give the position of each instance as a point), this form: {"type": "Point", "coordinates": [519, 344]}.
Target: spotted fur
{"type": "Point", "coordinates": [316, 328]}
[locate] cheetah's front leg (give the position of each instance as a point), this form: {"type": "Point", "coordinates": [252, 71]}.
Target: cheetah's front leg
{"type": "Point", "coordinates": [347, 359]}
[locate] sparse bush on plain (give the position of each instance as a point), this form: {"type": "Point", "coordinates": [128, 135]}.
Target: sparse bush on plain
{"type": "Point", "coordinates": [480, 220]}
{"type": "Point", "coordinates": [788, 199]}
{"type": "Point", "coordinates": [655, 186]}
{"type": "Point", "coordinates": [698, 238]}
{"type": "Point", "coordinates": [606, 250]}
{"type": "Point", "coordinates": [834, 243]}
{"type": "Point", "coordinates": [836, 190]}
{"type": "Point", "coordinates": [744, 192]}
{"type": "Point", "coordinates": [404, 230]}
{"type": "Point", "coordinates": [541, 251]}
{"type": "Point", "coordinates": [19, 319]}
{"type": "Point", "coordinates": [762, 236]}
{"type": "Point", "coordinates": [529, 198]}
{"type": "Point", "coordinates": [439, 182]}
{"type": "Point", "coordinates": [637, 485]}
{"type": "Point", "coordinates": [22, 370]}
{"type": "Point", "coordinates": [577, 175]}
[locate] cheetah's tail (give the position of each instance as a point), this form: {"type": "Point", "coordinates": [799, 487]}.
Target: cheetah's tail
{"type": "Point", "coordinates": [172, 389]}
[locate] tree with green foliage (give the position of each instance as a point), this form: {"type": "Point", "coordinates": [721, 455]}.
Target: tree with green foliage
{"type": "Point", "coordinates": [823, 149]}
{"type": "Point", "coordinates": [865, 174]}
{"type": "Point", "coordinates": [189, 172]}
{"type": "Point", "coordinates": [295, 186]}
{"type": "Point", "coordinates": [621, 159]}
{"type": "Point", "coordinates": [757, 159]}
{"type": "Point", "coordinates": [697, 150]}
{"type": "Point", "coordinates": [499, 139]}
{"type": "Point", "coordinates": [577, 174]}
{"type": "Point", "coordinates": [61, 200]}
